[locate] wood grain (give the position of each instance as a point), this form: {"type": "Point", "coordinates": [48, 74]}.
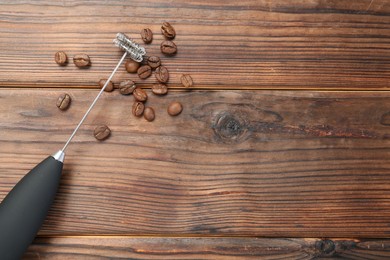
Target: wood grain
{"type": "Point", "coordinates": [206, 248]}
{"type": "Point", "coordinates": [257, 44]}
{"type": "Point", "coordinates": [248, 163]}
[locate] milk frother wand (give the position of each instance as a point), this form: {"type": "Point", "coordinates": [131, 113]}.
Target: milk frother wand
{"type": "Point", "coordinates": [24, 209]}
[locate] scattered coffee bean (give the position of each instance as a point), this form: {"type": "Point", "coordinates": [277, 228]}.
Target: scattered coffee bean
{"type": "Point", "coordinates": [110, 85]}
{"type": "Point", "coordinates": [162, 74]}
{"type": "Point", "coordinates": [147, 35]}
{"type": "Point", "coordinates": [140, 94]}
{"type": "Point", "coordinates": [63, 101]}
{"type": "Point", "coordinates": [168, 30]}
{"type": "Point", "coordinates": [149, 114]}
{"type": "Point", "coordinates": [61, 58]}
{"type": "Point", "coordinates": [127, 87]}
{"type": "Point", "coordinates": [154, 62]}
{"type": "Point", "coordinates": [144, 71]}
{"type": "Point", "coordinates": [81, 60]}
{"type": "Point", "coordinates": [160, 89]}
{"type": "Point", "coordinates": [168, 47]}
{"type": "Point", "coordinates": [132, 66]}
{"type": "Point", "coordinates": [138, 109]}
{"type": "Point", "coordinates": [101, 132]}
{"type": "Point", "coordinates": [186, 80]}
{"type": "Point", "coordinates": [175, 108]}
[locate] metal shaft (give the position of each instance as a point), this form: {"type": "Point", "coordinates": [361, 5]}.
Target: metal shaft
{"type": "Point", "coordinates": [94, 102]}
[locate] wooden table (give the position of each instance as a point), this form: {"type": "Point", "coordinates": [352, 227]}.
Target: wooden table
{"type": "Point", "coordinates": [282, 150]}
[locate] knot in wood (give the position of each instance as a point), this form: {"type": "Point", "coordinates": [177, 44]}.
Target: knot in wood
{"type": "Point", "coordinates": [229, 128]}
{"type": "Point", "coordinates": [385, 119]}
{"type": "Point", "coordinates": [326, 247]}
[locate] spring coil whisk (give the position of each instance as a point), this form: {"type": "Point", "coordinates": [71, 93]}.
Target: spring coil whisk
{"type": "Point", "coordinates": [135, 51]}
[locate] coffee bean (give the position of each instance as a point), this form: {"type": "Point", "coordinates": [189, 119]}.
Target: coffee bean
{"type": "Point", "coordinates": [162, 74]}
{"type": "Point", "coordinates": [168, 30]}
{"type": "Point", "coordinates": [110, 85]}
{"type": "Point", "coordinates": [138, 109]}
{"type": "Point", "coordinates": [149, 114]}
{"type": "Point", "coordinates": [127, 87]}
{"type": "Point", "coordinates": [154, 62]}
{"type": "Point", "coordinates": [101, 132]}
{"type": "Point", "coordinates": [168, 47]}
{"type": "Point", "coordinates": [160, 89]}
{"type": "Point", "coordinates": [132, 66]}
{"type": "Point", "coordinates": [140, 94]}
{"type": "Point", "coordinates": [147, 35]}
{"type": "Point", "coordinates": [175, 108]}
{"type": "Point", "coordinates": [63, 101]}
{"type": "Point", "coordinates": [186, 80]}
{"type": "Point", "coordinates": [61, 58]}
{"type": "Point", "coordinates": [144, 71]}
{"type": "Point", "coordinates": [81, 60]}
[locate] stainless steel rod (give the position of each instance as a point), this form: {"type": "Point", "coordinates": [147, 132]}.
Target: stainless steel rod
{"type": "Point", "coordinates": [94, 102]}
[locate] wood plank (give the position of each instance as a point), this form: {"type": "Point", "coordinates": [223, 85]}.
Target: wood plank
{"type": "Point", "coordinates": [256, 44]}
{"type": "Point", "coordinates": [206, 248]}
{"type": "Point", "coordinates": [257, 163]}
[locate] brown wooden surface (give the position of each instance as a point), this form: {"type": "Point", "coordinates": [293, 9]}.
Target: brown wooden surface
{"type": "Point", "coordinates": [223, 44]}
{"type": "Point", "coordinates": [206, 248]}
{"type": "Point", "coordinates": [280, 164]}
{"type": "Point", "coordinates": [241, 163]}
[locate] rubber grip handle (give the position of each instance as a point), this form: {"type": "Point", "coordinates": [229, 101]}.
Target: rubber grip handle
{"type": "Point", "coordinates": [24, 209]}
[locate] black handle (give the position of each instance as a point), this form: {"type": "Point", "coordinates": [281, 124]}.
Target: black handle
{"type": "Point", "coordinates": [24, 209]}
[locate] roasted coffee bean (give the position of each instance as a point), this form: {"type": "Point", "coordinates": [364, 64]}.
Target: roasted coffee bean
{"type": "Point", "coordinates": [138, 109]}
{"type": "Point", "coordinates": [140, 94]}
{"type": "Point", "coordinates": [63, 101]}
{"type": "Point", "coordinates": [186, 80]}
{"type": "Point", "coordinates": [127, 87]}
{"type": "Point", "coordinates": [168, 30]}
{"type": "Point", "coordinates": [149, 114]}
{"type": "Point", "coordinates": [147, 35]}
{"type": "Point", "coordinates": [144, 71]}
{"type": "Point", "coordinates": [168, 47]}
{"type": "Point", "coordinates": [81, 60]}
{"type": "Point", "coordinates": [175, 108]}
{"type": "Point", "coordinates": [101, 132]}
{"type": "Point", "coordinates": [110, 85]}
{"type": "Point", "coordinates": [159, 89]}
{"type": "Point", "coordinates": [61, 58]}
{"type": "Point", "coordinates": [154, 62]}
{"type": "Point", "coordinates": [162, 74]}
{"type": "Point", "coordinates": [132, 66]}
